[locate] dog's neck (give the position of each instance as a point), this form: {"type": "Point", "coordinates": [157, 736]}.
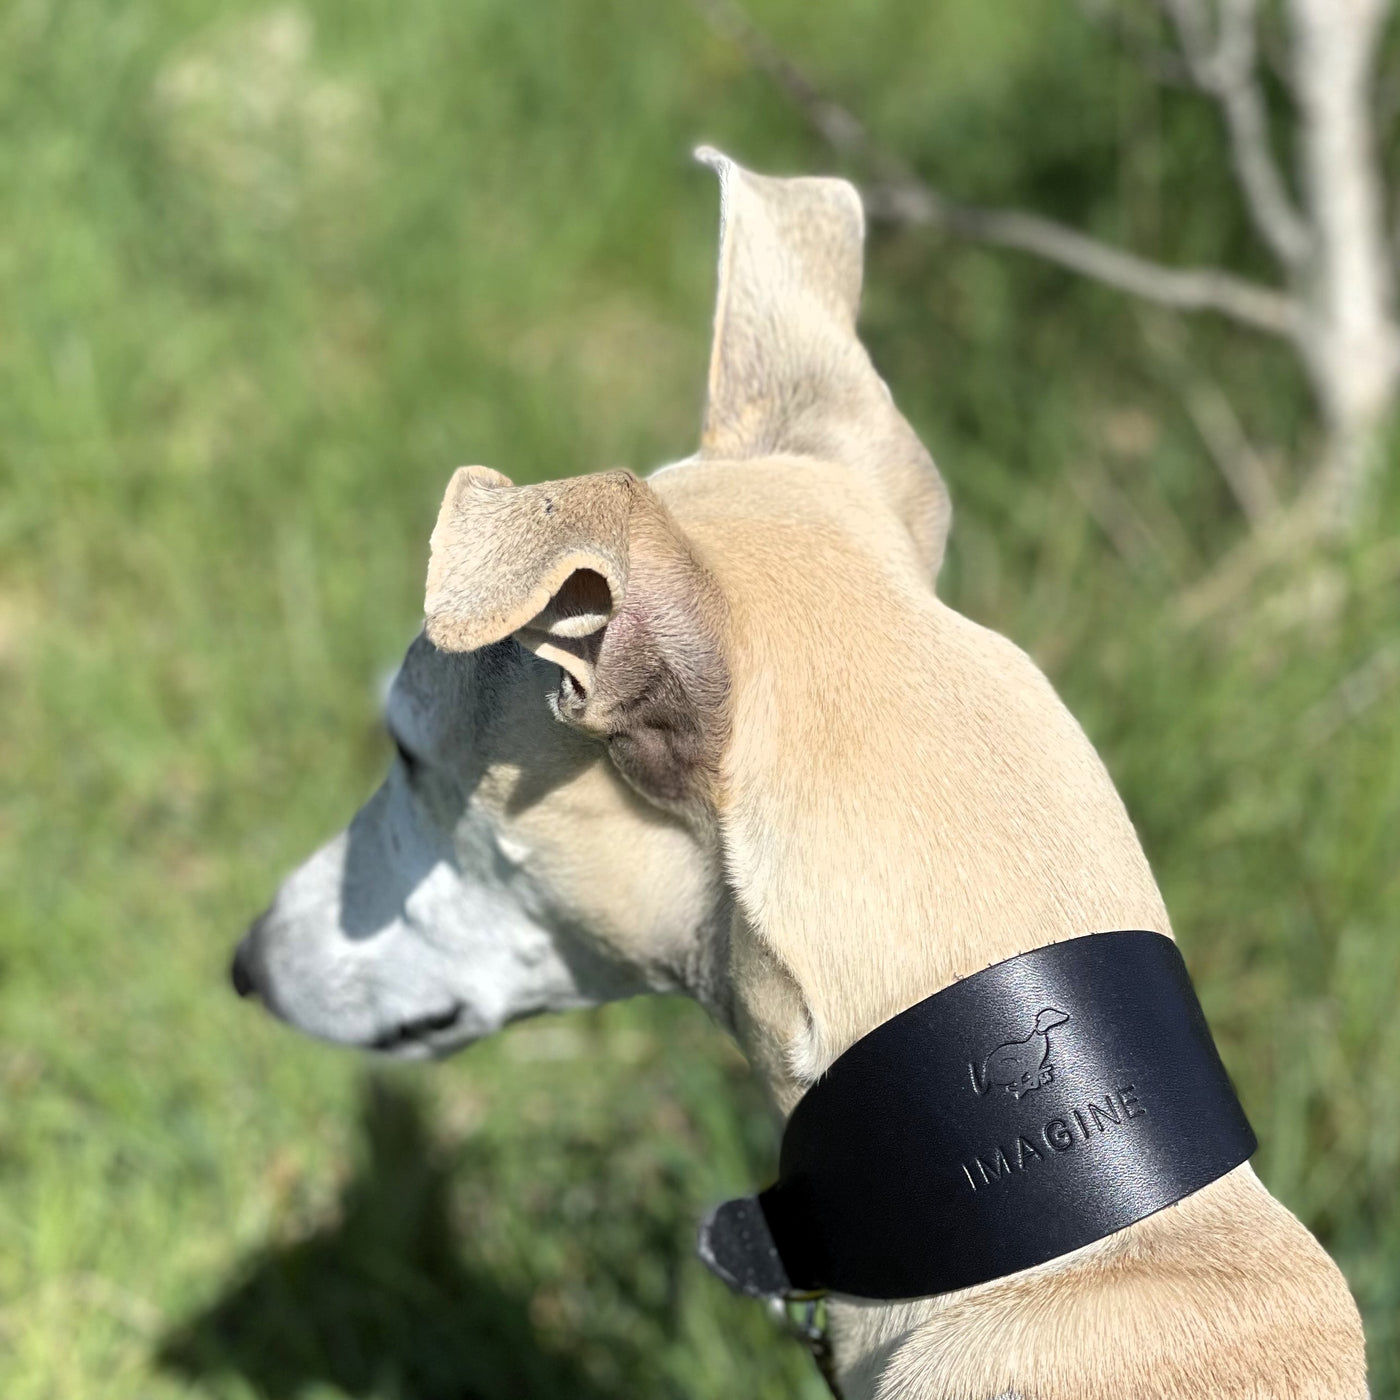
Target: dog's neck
{"type": "Point", "coordinates": [941, 813]}
{"type": "Point", "coordinates": [905, 800]}
{"type": "Point", "coordinates": [916, 806]}
{"type": "Point", "coordinates": [976, 825]}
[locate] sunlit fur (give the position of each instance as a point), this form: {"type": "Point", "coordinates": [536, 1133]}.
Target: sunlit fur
{"type": "Point", "coordinates": [883, 797]}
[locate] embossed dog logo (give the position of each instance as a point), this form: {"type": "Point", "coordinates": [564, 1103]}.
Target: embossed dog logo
{"type": "Point", "coordinates": [1021, 1065]}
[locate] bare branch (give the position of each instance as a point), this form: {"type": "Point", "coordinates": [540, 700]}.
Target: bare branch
{"type": "Point", "coordinates": [1270, 204]}
{"type": "Point", "coordinates": [900, 196]}
{"type": "Point", "coordinates": [1352, 349]}
{"type": "Point", "coordinates": [1185, 289]}
{"type": "Point", "coordinates": [1226, 70]}
{"type": "Point", "coordinates": [835, 124]}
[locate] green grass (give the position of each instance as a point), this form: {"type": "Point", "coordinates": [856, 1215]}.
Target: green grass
{"type": "Point", "coordinates": [266, 276]}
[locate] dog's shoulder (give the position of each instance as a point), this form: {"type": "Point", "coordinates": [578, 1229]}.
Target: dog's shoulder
{"type": "Point", "coordinates": [1225, 1294]}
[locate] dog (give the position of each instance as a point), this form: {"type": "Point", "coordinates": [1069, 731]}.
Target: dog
{"type": "Point", "coordinates": [712, 732]}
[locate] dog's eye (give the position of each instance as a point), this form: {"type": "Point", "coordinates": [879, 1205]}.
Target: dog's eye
{"type": "Point", "coordinates": [407, 757]}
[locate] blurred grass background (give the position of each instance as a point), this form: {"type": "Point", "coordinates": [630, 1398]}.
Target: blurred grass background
{"type": "Point", "coordinates": [266, 276]}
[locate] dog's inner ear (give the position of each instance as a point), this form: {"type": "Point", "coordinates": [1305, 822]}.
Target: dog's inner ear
{"type": "Point", "coordinates": [788, 373]}
{"type": "Point", "coordinates": [547, 564]}
{"type": "Point", "coordinates": [583, 605]}
{"type": "Point", "coordinates": [593, 575]}
{"type": "Point", "coordinates": [569, 629]}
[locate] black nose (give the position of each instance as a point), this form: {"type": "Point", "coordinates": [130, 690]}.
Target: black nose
{"type": "Point", "coordinates": [240, 973]}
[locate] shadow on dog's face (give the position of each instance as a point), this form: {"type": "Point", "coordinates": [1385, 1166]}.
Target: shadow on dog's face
{"type": "Point", "coordinates": [502, 869]}
{"type": "Point", "coordinates": [605, 665]}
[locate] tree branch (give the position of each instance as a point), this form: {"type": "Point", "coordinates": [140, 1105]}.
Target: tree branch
{"type": "Point", "coordinates": [1226, 71]}
{"type": "Point", "coordinates": [1185, 289]}
{"type": "Point", "coordinates": [840, 128]}
{"type": "Point", "coordinates": [900, 196]}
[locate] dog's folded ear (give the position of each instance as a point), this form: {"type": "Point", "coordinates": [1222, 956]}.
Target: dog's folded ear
{"type": "Point", "coordinates": [788, 374]}
{"type": "Point", "coordinates": [592, 574]}
{"type": "Point", "coordinates": [552, 558]}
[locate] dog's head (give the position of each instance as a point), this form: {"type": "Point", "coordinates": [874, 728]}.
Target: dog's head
{"type": "Point", "coordinates": [681, 734]}
{"type": "Point", "coordinates": [542, 840]}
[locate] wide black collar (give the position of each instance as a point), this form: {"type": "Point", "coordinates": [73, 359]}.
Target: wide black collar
{"type": "Point", "coordinates": [1017, 1115]}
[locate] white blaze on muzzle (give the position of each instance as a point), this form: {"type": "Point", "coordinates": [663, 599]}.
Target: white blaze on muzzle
{"type": "Point", "coordinates": [393, 937]}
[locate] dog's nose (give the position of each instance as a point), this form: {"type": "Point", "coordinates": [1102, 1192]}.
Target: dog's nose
{"type": "Point", "coordinates": [241, 969]}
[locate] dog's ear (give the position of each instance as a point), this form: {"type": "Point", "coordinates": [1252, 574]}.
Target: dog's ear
{"type": "Point", "coordinates": [549, 559]}
{"type": "Point", "coordinates": [594, 575]}
{"type": "Point", "coordinates": [788, 373]}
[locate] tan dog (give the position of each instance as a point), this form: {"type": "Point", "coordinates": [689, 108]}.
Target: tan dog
{"type": "Point", "coordinates": [713, 732]}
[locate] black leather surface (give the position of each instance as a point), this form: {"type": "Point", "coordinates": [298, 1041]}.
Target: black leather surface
{"type": "Point", "coordinates": [1017, 1115]}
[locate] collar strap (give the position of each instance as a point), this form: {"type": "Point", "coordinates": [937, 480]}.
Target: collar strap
{"type": "Point", "coordinates": [1017, 1115]}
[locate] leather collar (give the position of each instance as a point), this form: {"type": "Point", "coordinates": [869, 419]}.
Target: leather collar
{"type": "Point", "coordinates": [1019, 1114]}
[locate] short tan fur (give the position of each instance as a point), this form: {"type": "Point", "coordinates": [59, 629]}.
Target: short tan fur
{"type": "Point", "coordinates": [766, 765]}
